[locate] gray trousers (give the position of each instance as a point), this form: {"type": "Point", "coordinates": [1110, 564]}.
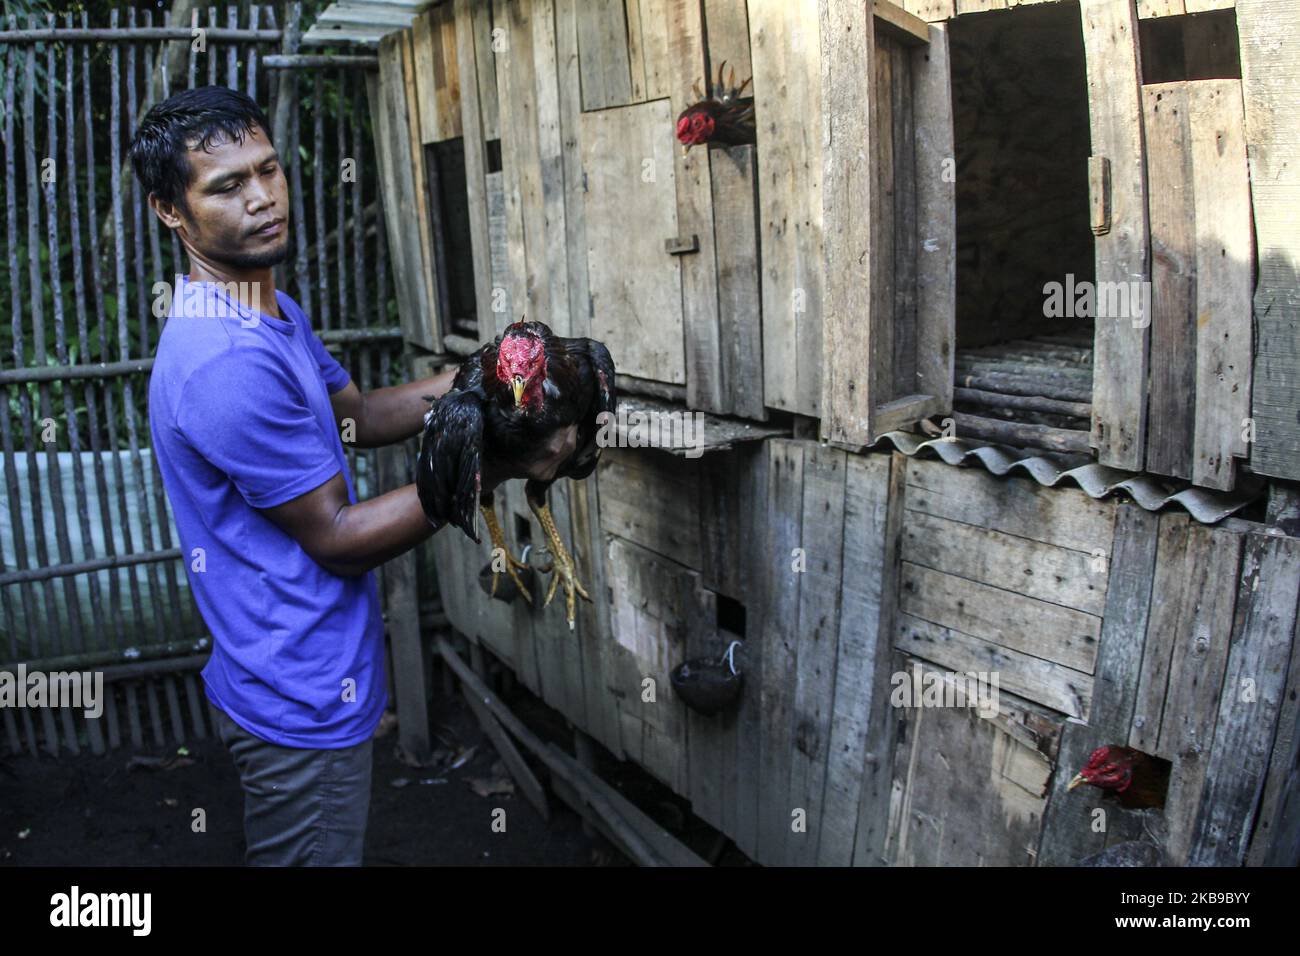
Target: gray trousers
{"type": "Point", "coordinates": [301, 807]}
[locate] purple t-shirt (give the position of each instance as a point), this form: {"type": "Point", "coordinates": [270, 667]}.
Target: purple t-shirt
{"type": "Point", "coordinates": [241, 420]}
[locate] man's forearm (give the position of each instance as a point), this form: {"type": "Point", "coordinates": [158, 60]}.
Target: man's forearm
{"type": "Point", "coordinates": [396, 413]}
{"type": "Point", "coordinates": [367, 534]}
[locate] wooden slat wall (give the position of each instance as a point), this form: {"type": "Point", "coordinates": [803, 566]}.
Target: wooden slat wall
{"type": "Point", "coordinates": [1120, 353]}
{"type": "Point", "coordinates": [1269, 31]}
{"type": "Point", "coordinates": [401, 167]}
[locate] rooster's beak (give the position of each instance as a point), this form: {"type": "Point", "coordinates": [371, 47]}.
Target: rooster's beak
{"type": "Point", "coordinates": [686, 150]}
{"type": "Point", "coordinates": [518, 385]}
{"type": "Point", "coordinates": [1078, 779]}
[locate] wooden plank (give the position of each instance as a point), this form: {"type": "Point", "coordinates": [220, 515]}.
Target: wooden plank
{"type": "Point", "coordinates": [1204, 6]}
{"type": "Point", "coordinates": [426, 83]}
{"type": "Point", "coordinates": [818, 631]}
{"type": "Point", "coordinates": [484, 63]}
{"type": "Point", "coordinates": [603, 56]}
{"type": "Point", "coordinates": [748, 783]}
{"type": "Point", "coordinates": [1068, 834]}
{"type": "Point", "coordinates": [387, 98]}
{"type": "Point", "coordinates": [1211, 565]}
{"type": "Point", "coordinates": [735, 228]}
{"type": "Point", "coordinates": [1221, 186]}
{"type": "Point", "coordinates": [727, 25]}
{"type": "Point", "coordinates": [987, 816]}
{"type": "Point", "coordinates": [509, 753]}
{"type": "Point", "coordinates": [1276, 840]}
{"type": "Point", "coordinates": [779, 646]}
{"type": "Point", "coordinates": [1262, 644]}
{"type": "Point", "coordinates": [1065, 517]}
{"type": "Point", "coordinates": [548, 252]}
{"type": "Point", "coordinates": [1121, 342]}
{"type": "Point", "coordinates": [1166, 120]}
{"type": "Point", "coordinates": [936, 205]}
{"type": "Point", "coordinates": [710, 738]}
{"type": "Point", "coordinates": [1160, 8]}
{"type": "Point", "coordinates": [862, 658]}
{"type": "Point", "coordinates": [1269, 33]}
{"type": "Point", "coordinates": [1162, 633]}
{"type": "Point", "coordinates": [932, 10]}
{"type": "Point", "coordinates": [980, 6]}
{"type": "Point", "coordinates": [785, 48]}
{"type": "Point", "coordinates": [475, 165]}
{"type": "Point", "coordinates": [1046, 572]}
{"type": "Point", "coordinates": [1054, 633]}
{"type": "Point", "coordinates": [1052, 685]}
{"type": "Point", "coordinates": [855, 347]}
{"type": "Point", "coordinates": [421, 211]}
{"type": "Point", "coordinates": [570, 118]}
{"type": "Point", "coordinates": [650, 58]}
{"type": "Point", "coordinates": [900, 24]}
{"type": "Point", "coordinates": [653, 500]}
{"type": "Point", "coordinates": [637, 311]}
{"type": "Point", "coordinates": [699, 275]}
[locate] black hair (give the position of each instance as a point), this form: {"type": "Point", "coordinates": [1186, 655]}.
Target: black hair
{"type": "Point", "coordinates": [191, 119]}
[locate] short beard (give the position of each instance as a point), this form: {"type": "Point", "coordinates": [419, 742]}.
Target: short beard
{"type": "Point", "coordinates": [258, 260]}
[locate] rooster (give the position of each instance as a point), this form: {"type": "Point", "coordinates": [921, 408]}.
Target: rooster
{"type": "Point", "coordinates": [507, 404]}
{"type": "Point", "coordinates": [724, 118]}
{"type": "Point", "coordinates": [1137, 780]}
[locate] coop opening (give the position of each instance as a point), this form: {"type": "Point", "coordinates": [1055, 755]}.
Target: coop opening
{"type": "Point", "coordinates": [448, 195]}
{"type": "Point", "coordinates": [730, 616]}
{"type": "Point", "coordinates": [1025, 248]}
{"type": "Point", "coordinates": [1199, 46]}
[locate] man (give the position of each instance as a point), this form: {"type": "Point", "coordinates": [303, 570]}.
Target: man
{"type": "Point", "coordinates": [245, 410]}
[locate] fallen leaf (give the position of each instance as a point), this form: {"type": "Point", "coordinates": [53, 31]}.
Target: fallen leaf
{"type": "Point", "coordinates": [489, 786]}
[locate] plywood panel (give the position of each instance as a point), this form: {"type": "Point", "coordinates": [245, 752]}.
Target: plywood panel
{"type": "Point", "coordinates": [636, 297]}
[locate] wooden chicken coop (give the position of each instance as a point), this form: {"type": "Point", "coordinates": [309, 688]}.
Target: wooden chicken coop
{"type": "Point", "coordinates": [996, 326]}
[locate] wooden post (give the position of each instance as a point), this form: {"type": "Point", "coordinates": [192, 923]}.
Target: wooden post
{"type": "Point", "coordinates": [409, 663]}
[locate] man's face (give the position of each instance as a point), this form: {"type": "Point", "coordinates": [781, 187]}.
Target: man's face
{"type": "Point", "coordinates": [238, 203]}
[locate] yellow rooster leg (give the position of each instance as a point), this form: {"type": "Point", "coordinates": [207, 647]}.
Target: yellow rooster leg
{"type": "Point", "coordinates": [499, 542]}
{"type": "Point", "coordinates": [563, 567]}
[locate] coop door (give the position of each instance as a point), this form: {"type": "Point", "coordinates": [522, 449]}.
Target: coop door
{"type": "Point", "coordinates": [888, 222]}
{"type": "Point", "coordinates": [631, 212]}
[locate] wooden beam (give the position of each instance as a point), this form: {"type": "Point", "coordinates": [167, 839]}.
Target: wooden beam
{"type": "Point", "coordinates": [852, 367]}
{"type": "Point", "coordinates": [898, 23]}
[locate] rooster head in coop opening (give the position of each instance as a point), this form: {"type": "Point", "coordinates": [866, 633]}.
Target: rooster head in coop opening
{"type": "Point", "coordinates": [1109, 768]}
{"type": "Point", "coordinates": [1136, 779]}
{"type": "Point", "coordinates": [723, 118]}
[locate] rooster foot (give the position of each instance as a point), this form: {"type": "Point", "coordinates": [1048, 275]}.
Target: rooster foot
{"type": "Point", "coordinates": [562, 567]}
{"type": "Point", "coordinates": [499, 547]}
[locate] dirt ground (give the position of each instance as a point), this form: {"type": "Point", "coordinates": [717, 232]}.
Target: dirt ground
{"type": "Point", "coordinates": [99, 811]}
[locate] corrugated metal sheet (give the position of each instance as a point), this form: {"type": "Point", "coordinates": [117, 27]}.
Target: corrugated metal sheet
{"type": "Point", "coordinates": [1098, 481]}
{"type": "Point", "coordinates": [362, 22]}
